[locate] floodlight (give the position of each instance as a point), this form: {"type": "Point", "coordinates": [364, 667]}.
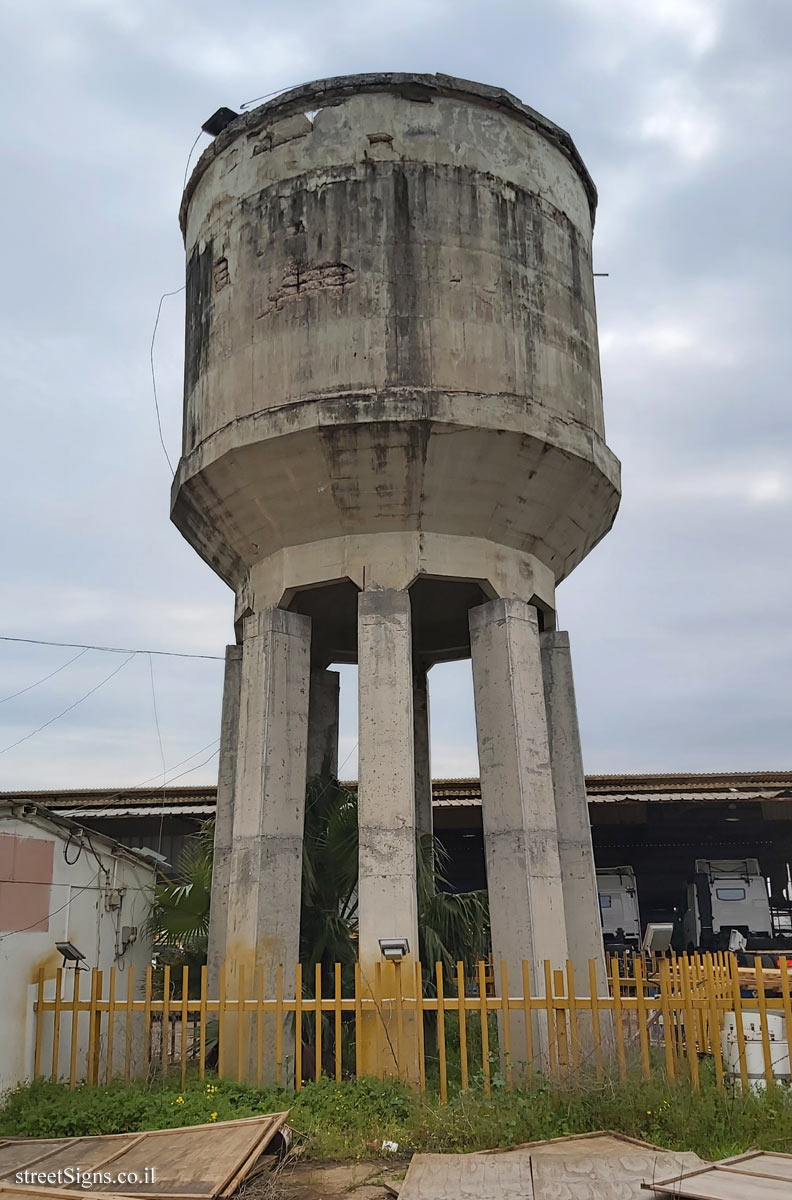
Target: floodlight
{"type": "Point", "coordinates": [394, 949]}
{"type": "Point", "coordinates": [69, 952]}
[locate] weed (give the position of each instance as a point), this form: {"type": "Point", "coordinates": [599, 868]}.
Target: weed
{"type": "Point", "coordinates": [351, 1119]}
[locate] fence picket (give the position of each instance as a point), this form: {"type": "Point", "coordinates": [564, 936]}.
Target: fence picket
{"type": "Point", "coordinates": [528, 1017]}
{"type": "Point", "coordinates": [441, 1039]}
{"type": "Point", "coordinates": [485, 1063]}
{"type": "Point", "coordinates": [130, 999]}
{"type": "Point", "coordinates": [761, 1000]}
{"type": "Point", "coordinates": [337, 1021]}
{"type": "Point", "coordinates": [463, 1050]}
{"type": "Point", "coordinates": [505, 1032]}
{"type": "Point", "coordinates": [419, 1005]}
{"type": "Point", "coordinates": [318, 1030]}
{"type": "Point", "coordinates": [111, 1012]}
{"type": "Point", "coordinates": [56, 1024]}
{"type": "Point", "coordinates": [39, 1024]}
{"type": "Point", "coordinates": [75, 1025]}
{"type": "Point", "coordinates": [684, 998]}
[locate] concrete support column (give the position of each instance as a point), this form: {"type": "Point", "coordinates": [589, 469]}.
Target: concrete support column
{"type": "Point", "coordinates": [386, 813]}
{"type": "Point", "coordinates": [269, 803]}
{"type": "Point", "coordinates": [518, 808]}
{"type": "Point", "coordinates": [575, 850]}
{"type": "Point", "coordinates": [224, 816]}
{"type": "Point", "coordinates": [323, 722]}
{"type": "Point", "coordinates": [421, 751]}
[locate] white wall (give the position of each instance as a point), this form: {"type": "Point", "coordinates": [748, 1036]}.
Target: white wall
{"type": "Point", "coordinates": [77, 911]}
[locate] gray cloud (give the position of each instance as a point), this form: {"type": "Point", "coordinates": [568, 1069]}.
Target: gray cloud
{"type": "Point", "coordinates": [680, 619]}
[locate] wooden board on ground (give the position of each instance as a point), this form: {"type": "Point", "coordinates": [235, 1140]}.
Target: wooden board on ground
{"type": "Point", "coordinates": [467, 1177]}
{"type": "Point", "coordinates": [756, 1176]}
{"type": "Point", "coordinates": [608, 1167]}
{"type": "Point", "coordinates": [605, 1166]}
{"type": "Point", "coordinates": [197, 1162]}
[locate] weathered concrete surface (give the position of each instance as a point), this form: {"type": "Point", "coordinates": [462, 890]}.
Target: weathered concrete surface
{"type": "Point", "coordinates": [323, 722]}
{"type": "Point", "coordinates": [391, 383]}
{"type": "Point", "coordinates": [575, 849]}
{"type": "Point", "coordinates": [422, 751]}
{"type": "Point", "coordinates": [386, 797]}
{"type": "Point", "coordinates": [265, 883]}
{"type": "Point", "coordinates": [518, 809]}
{"type": "Point", "coordinates": [224, 815]}
{"type": "Point", "coordinates": [391, 327]}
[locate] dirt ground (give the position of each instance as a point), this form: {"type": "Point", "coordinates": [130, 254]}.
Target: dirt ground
{"type": "Point", "coordinates": [294, 1179]}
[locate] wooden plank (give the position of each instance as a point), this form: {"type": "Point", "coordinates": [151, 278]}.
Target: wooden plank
{"type": "Point", "coordinates": [528, 1016]}
{"type": "Point", "coordinates": [441, 1040]}
{"type": "Point", "coordinates": [56, 1024]}
{"type": "Point", "coordinates": [39, 1024]}
{"type": "Point", "coordinates": [111, 1016]}
{"type": "Point", "coordinates": [337, 1020]}
{"type": "Point", "coordinates": [74, 1029]}
{"type": "Point", "coordinates": [463, 1050]}
{"type": "Point", "coordinates": [202, 1018]}
{"type": "Point", "coordinates": [485, 1063]}
{"type": "Point", "coordinates": [165, 1023]}
{"type": "Point", "coordinates": [419, 1006]}
{"type": "Point", "coordinates": [485, 1177]}
{"type": "Point", "coordinates": [185, 990]}
{"type": "Point", "coordinates": [505, 1032]}
{"type": "Point", "coordinates": [715, 1184]}
{"type": "Point", "coordinates": [130, 999]}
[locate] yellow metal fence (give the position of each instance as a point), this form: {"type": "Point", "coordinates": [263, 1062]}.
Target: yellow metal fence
{"type": "Point", "coordinates": [660, 1015]}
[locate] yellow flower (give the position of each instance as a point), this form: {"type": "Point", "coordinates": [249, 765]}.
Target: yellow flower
{"type": "Point", "coordinates": [212, 1116]}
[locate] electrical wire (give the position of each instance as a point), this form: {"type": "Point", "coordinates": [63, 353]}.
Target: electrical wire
{"type": "Point", "coordinates": [52, 914]}
{"type": "Point", "coordinates": [58, 716]}
{"type": "Point", "coordinates": [189, 156]}
{"type": "Point", "coordinates": [109, 649]}
{"type": "Point", "coordinates": [164, 296]}
{"type": "Point", "coordinates": [44, 679]}
{"type": "Point", "coordinates": [268, 96]}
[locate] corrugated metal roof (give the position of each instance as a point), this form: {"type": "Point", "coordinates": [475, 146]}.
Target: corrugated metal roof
{"type": "Point", "coordinates": [447, 793]}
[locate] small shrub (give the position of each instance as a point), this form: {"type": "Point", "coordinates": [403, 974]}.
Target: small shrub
{"type": "Point", "coordinates": [350, 1119]}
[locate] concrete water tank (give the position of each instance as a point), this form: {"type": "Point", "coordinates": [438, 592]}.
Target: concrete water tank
{"type": "Point", "coordinates": [393, 451]}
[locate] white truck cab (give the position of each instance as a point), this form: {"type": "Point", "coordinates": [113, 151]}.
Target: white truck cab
{"type": "Point", "coordinates": [726, 894]}
{"type": "Point", "coordinates": [619, 913]}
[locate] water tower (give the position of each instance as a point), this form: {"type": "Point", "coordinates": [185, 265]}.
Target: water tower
{"type": "Point", "coordinates": [393, 452]}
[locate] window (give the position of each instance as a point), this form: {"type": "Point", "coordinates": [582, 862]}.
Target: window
{"type": "Point", "coordinates": [736, 893]}
{"type": "Point", "coordinates": [606, 901]}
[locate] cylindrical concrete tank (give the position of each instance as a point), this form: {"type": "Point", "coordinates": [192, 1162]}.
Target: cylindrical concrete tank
{"type": "Point", "coordinates": [391, 327]}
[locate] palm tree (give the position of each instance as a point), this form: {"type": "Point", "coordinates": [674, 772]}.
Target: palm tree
{"type": "Point", "coordinates": [453, 927]}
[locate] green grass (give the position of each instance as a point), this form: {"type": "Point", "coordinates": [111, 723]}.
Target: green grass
{"type": "Point", "coordinates": [350, 1119]}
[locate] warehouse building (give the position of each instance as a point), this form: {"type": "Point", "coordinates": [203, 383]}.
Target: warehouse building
{"type": "Point", "coordinates": [657, 824]}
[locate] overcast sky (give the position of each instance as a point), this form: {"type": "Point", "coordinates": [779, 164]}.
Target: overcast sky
{"type": "Point", "coordinates": [680, 619]}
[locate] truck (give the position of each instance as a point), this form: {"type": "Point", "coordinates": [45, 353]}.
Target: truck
{"type": "Point", "coordinates": [619, 913]}
{"type": "Point", "coordinates": [726, 895]}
